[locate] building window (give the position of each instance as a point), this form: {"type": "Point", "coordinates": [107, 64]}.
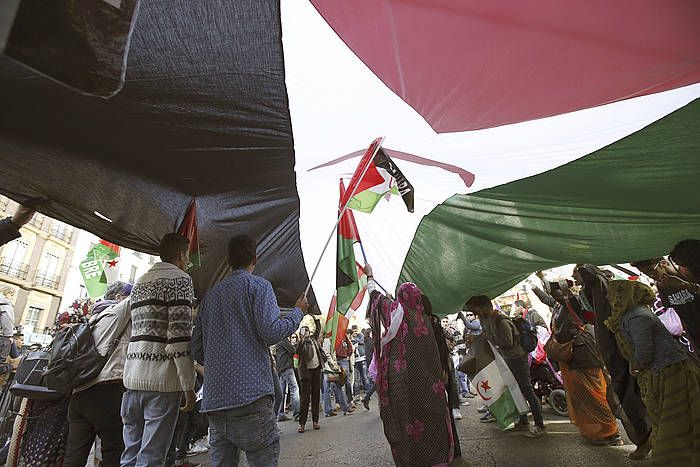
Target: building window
{"type": "Point", "coordinates": [37, 221]}
{"type": "Point", "coordinates": [61, 231]}
{"type": "Point", "coordinates": [132, 277]}
{"type": "Point", "coordinates": [12, 261]}
{"type": "Point", "coordinates": [47, 276]}
{"type": "Point", "coordinates": [32, 318]}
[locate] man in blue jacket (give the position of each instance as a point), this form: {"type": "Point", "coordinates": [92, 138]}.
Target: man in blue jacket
{"type": "Point", "coordinates": [238, 322]}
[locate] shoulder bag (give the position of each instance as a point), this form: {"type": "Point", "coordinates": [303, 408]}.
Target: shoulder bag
{"type": "Point", "coordinates": [563, 351]}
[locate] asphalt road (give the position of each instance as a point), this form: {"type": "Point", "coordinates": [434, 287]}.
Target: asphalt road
{"type": "Point", "coordinates": [358, 440]}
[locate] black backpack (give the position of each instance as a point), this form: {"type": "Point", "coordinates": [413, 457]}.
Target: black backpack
{"type": "Point", "coordinates": [73, 358]}
{"type": "Point", "coordinates": [528, 334]}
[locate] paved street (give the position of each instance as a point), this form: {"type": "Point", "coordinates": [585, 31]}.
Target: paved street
{"type": "Point", "coordinates": [358, 440]}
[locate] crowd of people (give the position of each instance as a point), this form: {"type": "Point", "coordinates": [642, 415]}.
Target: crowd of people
{"type": "Point", "coordinates": [624, 349]}
{"type": "Point", "coordinates": [226, 371]}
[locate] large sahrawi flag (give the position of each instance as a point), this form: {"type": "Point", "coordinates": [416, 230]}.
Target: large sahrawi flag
{"type": "Point", "coordinates": [81, 44]}
{"type": "Point", "coordinates": [350, 278]}
{"type": "Point", "coordinates": [496, 385]}
{"type": "Point", "coordinates": [375, 178]}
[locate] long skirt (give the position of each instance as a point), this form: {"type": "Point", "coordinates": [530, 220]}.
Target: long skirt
{"type": "Point", "coordinates": [672, 398]}
{"type": "Point", "coordinates": [587, 402]}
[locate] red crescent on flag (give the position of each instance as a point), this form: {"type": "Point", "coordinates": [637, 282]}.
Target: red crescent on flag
{"type": "Point", "coordinates": [478, 390]}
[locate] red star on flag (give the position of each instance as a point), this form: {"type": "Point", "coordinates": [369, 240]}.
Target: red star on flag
{"type": "Point", "coordinates": [485, 385]}
{"type": "Point", "coordinates": [112, 264]}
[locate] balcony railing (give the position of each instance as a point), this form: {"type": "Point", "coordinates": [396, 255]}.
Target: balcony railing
{"type": "Point", "coordinates": [38, 222]}
{"type": "Point", "coordinates": [14, 268]}
{"type": "Point", "coordinates": [50, 281]}
{"type": "Point", "coordinates": [63, 234]}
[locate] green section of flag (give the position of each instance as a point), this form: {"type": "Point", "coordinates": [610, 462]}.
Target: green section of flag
{"type": "Point", "coordinates": [92, 268]}
{"type": "Point", "coordinates": [365, 201]}
{"type": "Point", "coordinates": [347, 282]}
{"type": "Point", "coordinates": [632, 200]}
{"type": "Point", "coordinates": [504, 410]}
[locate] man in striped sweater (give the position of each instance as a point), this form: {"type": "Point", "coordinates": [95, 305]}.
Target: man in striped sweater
{"type": "Point", "coordinates": [159, 366]}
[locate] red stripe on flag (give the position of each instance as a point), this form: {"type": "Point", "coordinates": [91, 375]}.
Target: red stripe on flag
{"type": "Point", "coordinates": [111, 245]}
{"type": "Point", "coordinates": [342, 330]}
{"type": "Point", "coordinates": [347, 227]}
{"type": "Point", "coordinates": [372, 177]}
{"type": "Point", "coordinates": [188, 229]}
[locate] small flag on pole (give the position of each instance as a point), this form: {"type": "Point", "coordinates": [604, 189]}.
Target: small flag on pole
{"type": "Point", "coordinates": [376, 177]}
{"type": "Point", "coordinates": [188, 229]}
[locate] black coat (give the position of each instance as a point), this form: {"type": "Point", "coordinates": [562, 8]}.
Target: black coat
{"type": "Point", "coordinates": [566, 324]}
{"type": "Point", "coordinates": [284, 355]}
{"type": "Point", "coordinates": [304, 349]}
{"type": "Point", "coordinates": [8, 231]}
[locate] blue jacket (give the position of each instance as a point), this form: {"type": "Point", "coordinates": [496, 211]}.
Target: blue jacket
{"type": "Point", "coordinates": [237, 323]}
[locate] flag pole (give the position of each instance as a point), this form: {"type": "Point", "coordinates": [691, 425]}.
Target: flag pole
{"type": "Point", "coordinates": [340, 216]}
{"type": "Point", "coordinates": [364, 255]}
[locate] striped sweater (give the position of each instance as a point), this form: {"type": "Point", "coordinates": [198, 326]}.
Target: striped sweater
{"type": "Point", "coordinates": [159, 354]}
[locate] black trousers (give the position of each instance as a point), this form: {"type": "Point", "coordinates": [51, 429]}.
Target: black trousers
{"type": "Point", "coordinates": [95, 411]}
{"type": "Point", "coordinates": [310, 389]}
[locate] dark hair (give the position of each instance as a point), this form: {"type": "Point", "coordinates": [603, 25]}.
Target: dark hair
{"type": "Point", "coordinates": [241, 251]}
{"type": "Point", "coordinates": [687, 253]}
{"type": "Point", "coordinates": [171, 246]}
{"type": "Point", "coordinates": [479, 301]}
{"type": "Point", "coordinates": [520, 303]}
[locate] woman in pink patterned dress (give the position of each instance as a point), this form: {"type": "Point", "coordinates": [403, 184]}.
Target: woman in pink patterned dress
{"type": "Point", "coordinates": [410, 380]}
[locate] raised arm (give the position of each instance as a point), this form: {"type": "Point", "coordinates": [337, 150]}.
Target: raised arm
{"type": "Point", "coordinates": [271, 326]}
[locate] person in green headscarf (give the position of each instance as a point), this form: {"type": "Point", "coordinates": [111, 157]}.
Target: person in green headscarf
{"type": "Point", "coordinates": [668, 380]}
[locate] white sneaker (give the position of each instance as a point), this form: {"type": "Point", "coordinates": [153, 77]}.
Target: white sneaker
{"type": "Point", "coordinates": [199, 447]}
{"type": "Point", "coordinates": [456, 414]}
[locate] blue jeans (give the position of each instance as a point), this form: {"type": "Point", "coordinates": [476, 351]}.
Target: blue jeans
{"type": "Point", "coordinates": [369, 389]}
{"type": "Point", "coordinates": [345, 364]}
{"type": "Point", "coordinates": [149, 423]}
{"type": "Point", "coordinates": [463, 382]}
{"type": "Point", "coordinates": [251, 428]}
{"type": "Point", "coordinates": [279, 396]}
{"type": "Point", "coordinates": [361, 375]}
{"type": "Point", "coordinates": [289, 381]}
{"type": "Point", "coordinates": [339, 396]}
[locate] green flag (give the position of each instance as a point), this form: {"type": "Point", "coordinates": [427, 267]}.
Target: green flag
{"type": "Point", "coordinates": [93, 268]}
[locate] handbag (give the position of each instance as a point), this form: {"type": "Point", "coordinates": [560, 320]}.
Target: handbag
{"type": "Point", "coordinates": [563, 351]}
{"type": "Point", "coordinates": [338, 378]}
{"type": "Point", "coordinates": [672, 321]}
{"type": "Point", "coordinates": [29, 379]}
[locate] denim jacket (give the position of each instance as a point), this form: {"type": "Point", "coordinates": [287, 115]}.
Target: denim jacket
{"type": "Point", "coordinates": [654, 347]}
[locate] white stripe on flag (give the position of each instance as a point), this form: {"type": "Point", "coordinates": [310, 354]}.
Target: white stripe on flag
{"type": "Point", "coordinates": [509, 380]}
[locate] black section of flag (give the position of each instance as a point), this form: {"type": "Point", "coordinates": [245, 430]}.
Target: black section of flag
{"type": "Point", "coordinates": [404, 186]}
{"type": "Point", "coordinates": [80, 43]}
